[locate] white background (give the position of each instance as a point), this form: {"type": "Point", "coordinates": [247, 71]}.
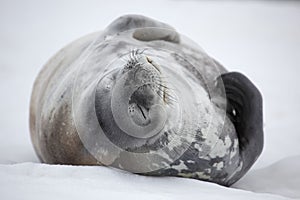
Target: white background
{"type": "Point", "coordinates": [258, 38]}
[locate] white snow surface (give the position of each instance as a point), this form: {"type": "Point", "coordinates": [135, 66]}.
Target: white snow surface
{"type": "Point", "coordinates": [258, 38]}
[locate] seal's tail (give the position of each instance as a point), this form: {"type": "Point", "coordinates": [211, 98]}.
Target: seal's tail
{"type": "Point", "coordinates": [244, 108]}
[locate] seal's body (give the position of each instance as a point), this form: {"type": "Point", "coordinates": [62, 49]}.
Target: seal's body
{"type": "Point", "coordinates": [140, 97]}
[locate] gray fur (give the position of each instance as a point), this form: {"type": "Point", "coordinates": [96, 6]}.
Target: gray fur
{"type": "Point", "coordinates": [71, 121]}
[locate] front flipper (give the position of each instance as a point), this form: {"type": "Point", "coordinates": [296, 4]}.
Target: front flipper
{"type": "Point", "coordinates": [244, 108]}
{"type": "Point", "coordinates": [147, 29]}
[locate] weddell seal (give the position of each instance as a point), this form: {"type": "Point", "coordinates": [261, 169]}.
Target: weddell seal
{"type": "Point", "coordinates": [143, 98]}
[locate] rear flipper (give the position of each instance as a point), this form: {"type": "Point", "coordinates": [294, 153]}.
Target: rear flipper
{"type": "Point", "coordinates": [244, 108]}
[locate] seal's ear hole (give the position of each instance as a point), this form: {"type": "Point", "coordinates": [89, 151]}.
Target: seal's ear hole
{"type": "Point", "coordinates": [152, 33]}
{"type": "Point", "coordinates": [244, 108]}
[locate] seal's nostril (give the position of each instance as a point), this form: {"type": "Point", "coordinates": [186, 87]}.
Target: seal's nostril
{"type": "Point", "coordinates": [145, 96]}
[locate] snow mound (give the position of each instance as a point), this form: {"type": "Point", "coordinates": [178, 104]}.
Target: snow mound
{"type": "Point", "coordinates": [42, 181]}
{"type": "Point", "coordinates": [281, 178]}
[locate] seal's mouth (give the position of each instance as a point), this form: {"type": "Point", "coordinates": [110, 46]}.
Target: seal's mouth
{"type": "Point", "coordinates": [139, 114]}
{"type": "Point", "coordinates": [140, 103]}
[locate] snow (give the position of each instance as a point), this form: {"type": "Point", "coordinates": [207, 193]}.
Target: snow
{"type": "Point", "coordinates": [280, 178]}
{"type": "Point", "coordinates": [41, 181]}
{"type": "Point", "coordinates": [258, 38]}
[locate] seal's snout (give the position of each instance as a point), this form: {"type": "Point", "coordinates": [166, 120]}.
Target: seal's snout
{"type": "Point", "coordinates": [137, 106]}
{"type": "Point", "coordinates": [145, 78]}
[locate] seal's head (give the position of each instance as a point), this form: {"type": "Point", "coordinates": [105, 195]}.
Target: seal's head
{"type": "Point", "coordinates": [139, 97]}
